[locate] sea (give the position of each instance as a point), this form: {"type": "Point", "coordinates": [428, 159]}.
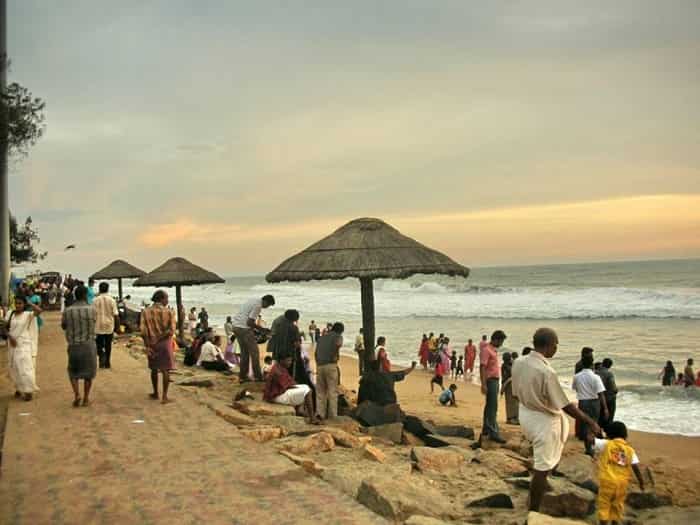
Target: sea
{"type": "Point", "coordinates": [639, 314]}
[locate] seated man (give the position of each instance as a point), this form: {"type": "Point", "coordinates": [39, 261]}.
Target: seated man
{"type": "Point", "coordinates": [378, 386]}
{"type": "Point", "coordinates": [280, 388]}
{"type": "Point", "coordinates": [211, 357]}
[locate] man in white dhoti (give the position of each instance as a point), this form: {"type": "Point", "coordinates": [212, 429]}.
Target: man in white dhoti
{"type": "Point", "coordinates": [542, 407]}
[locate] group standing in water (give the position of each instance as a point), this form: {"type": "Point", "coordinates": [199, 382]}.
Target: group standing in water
{"type": "Point", "coordinates": [686, 378]}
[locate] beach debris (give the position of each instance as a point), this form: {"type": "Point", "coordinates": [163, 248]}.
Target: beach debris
{"type": "Point", "coordinates": [374, 454]}
{"type": "Point", "coordinates": [494, 501]}
{"type": "Point", "coordinates": [441, 460]}
{"type": "Point", "coordinates": [308, 464]}
{"type": "Point", "coordinates": [567, 500]}
{"type": "Point", "coordinates": [535, 518]}
{"type": "Point", "coordinates": [647, 500]}
{"type": "Point", "coordinates": [262, 408]}
{"type": "Point", "coordinates": [263, 434]}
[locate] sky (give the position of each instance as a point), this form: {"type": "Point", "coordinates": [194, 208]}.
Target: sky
{"type": "Point", "coordinates": [238, 133]}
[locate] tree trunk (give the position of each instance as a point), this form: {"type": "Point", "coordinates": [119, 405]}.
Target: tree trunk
{"type": "Point", "coordinates": [120, 288]}
{"type": "Point", "coordinates": [178, 299]}
{"type": "Point", "coordinates": [367, 289]}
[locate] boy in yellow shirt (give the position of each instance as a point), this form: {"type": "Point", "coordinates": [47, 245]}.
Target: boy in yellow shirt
{"type": "Point", "coordinates": [616, 462]}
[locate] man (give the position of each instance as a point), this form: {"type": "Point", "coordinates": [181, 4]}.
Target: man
{"type": "Point", "coordinates": [78, 323]}
{"type": "Point", "coordinates": [244, 323]}
{"type": "Point", "coordinates": [689, 374]}
{"type": "Point", "coordinates": [360, 351]}
{"type": "Point", "coordinates": [157, 330]}
{"type": "Point", "coordinates": [590, 393]}
{"type": "Point", "coordinates": [204, 319]}
{"type": "Point", "coordinates": [327, 372]}
{"type": "Point", "coordinates": [312, 332]}
{"type": "Point", "coordinates": [280, 388]}
{"type": "Point", "coordinates": [484, 341]}
{"type": "Point", "coordinates": [106, 325]}
{"type": "Point", "coordinates": [584, 352]}
{"type": "Point", "coordinates": [228, 328]}
{"type": "Point", "coordinates": [608, 379]}
{"type": "Point", "coordinates": [284, 335]}
{"type": "Point", "coordinates": [490, 374]}
{"type": "Point", "coordinates": [212, 358]}
{"type": "Point", "coordinates": [542, 407]}
{"type": "Point", "coordinates": [91, 291]}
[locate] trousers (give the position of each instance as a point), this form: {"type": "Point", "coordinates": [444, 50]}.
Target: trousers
{"type": "Point", "coordinates": [104, 349]}
{"type": "Point", "coordinates": [327, 390]}
{"type": "Point", "coordinates": [490, 425]}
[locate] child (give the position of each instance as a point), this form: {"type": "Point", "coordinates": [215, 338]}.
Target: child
{"type": "Point", "coordinates": [448, 396]}
{"type": "Point", "coordinates": [616, 462]}
{"type": "Point", "coordinates": [460, 368]}
{"type": "Point", "coordinates": [453, 364]}
{"type": "Point", "coordinates": [267, 367]}
{"type": "Point", "coordinates": [437, 378]}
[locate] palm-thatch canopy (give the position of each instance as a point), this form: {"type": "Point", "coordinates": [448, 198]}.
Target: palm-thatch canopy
{"type": "Point", "coordinates": [178, 272]}
{"type": "Point", "coordinates": [118, 270]}
{"type": "Point", "coordinates": [366, 249]}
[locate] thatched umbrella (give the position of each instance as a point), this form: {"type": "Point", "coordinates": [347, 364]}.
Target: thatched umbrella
{"type": "Point", "coordinates": [367, 249]}
{"type": "Point", "coordinates": [118, 270]}
{"type": "Point", "coordinates": [178, 272]}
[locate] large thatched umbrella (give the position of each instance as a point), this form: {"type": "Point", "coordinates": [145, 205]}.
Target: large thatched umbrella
{"type": "Point", "coordinates": [118, 270]}
{"type": "Point", "coordinates": [178, 272]}
{"type": "Point", "coordinates": [367, 249]}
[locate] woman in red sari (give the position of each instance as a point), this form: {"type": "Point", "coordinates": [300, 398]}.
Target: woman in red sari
{"type": "Point", "coordinates": [424, 352]}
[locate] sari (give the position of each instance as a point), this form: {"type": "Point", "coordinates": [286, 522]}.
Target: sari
{"type": "Point", "coordinates": [22, 356]}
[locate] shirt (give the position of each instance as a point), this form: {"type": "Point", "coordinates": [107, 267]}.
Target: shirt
{"type": "Point", "coordinates": [359, 343]}
{"type": "Point", "coordinates": [446, 396]}
{"type": "Point", "coordinates": [78, 322]}
{"type": "Point", "coordinates": [156, 320]}
{"type": "Point", "coordinates": [587, 385]}
{"type": "Point", "coordinates": [488, 358]}
{"type": "Point", "coordinates": [90, 295]}
{"type": "Point", "coordinates": [615, 461]}
{"type": "Point", "coordinates": [249, 310]}
{"type": "Point", "coordinates": [228, 328]}
{"type": "Point", "coordinates": [327, 349]}
{"type": "Point", "coordinates": [209, 353]}
{"type": "Point", "coordinates": [106, 309]}
{"type": "Point", "coordinates": [278, 381]}
{"type": "Point", "coordinates": [536, 385]}
{"type": "Point", "coordinates": [608, 379]}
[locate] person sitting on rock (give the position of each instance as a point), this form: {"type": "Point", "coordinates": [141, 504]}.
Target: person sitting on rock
{"type": "Point", "coordinates": [212, 358]}
{"type": "Point", "coordinates": [280, 388]}
{"type": "Point", "coordinates": [447, 397]}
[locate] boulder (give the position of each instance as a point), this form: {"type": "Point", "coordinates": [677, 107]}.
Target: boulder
{"type": "Point", "coordinates": [371, 414]}
{"type": "Point", "coordinates": [319, 442]}
{"type": "Point", "coordinates": [344, 439]}
{"type": "Point", "coordinates": [262, 408]}
{"type": "Point", "coordinates": [230, 414]}
{"type": "Point", "coordinates": [263, 434]}
{"type": "Point", "coordinates": [441, 460]}
{"type": "Point", "coordinates": [567, 500]}
{"type": "Point", "coordinates": [579, 469]}
{"type": "Point", "coordinates": [535, 518]}
{"type": "Point", "coordinates": [398, 501]}
{"type": "Point", "coordinates": [647, 500]}
{"type": "Point", "coordinates": [494, 501]}
{"type": "Point", "coordinates": [374, 454]}
{"type": "Point", "coordinates": [391, 432]}
{"type": "Point", "coordinates": [307, 464]}
{"type": "Point", "coordinates": [344, 423]}
{"type": "Point", "coordinates": [501, 462]}
{"type": "Point", "coordinates": [200, 381]}
{"type": "Point", "coordinates": [409, 439]}
{"type": "Point", "coordinates": [457, 431]}
{"type": "Point", "coordinates": [519, 483]}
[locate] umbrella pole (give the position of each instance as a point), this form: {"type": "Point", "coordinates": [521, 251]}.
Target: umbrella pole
{"type": "Point", "coordinates": [367, 290]}
{"type": "Point", "coordinates": [119, 281]}
{"type": "Point", "coordinates": [178, 299]}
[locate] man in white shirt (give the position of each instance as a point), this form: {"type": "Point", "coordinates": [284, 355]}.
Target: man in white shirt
{"type": "Point", "coordinates": [244, 323]}
{"type": "Point", "coordinates": [590, 392]}
{"type": "Point", "coordinates": [105, 325]}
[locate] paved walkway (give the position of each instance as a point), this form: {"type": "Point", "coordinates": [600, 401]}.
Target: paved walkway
{"type": "Point", "coordinates": [65, 465]}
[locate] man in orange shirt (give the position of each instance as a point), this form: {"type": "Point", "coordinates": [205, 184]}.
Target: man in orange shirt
{"type": "Point", "coordinates": [490, 373]}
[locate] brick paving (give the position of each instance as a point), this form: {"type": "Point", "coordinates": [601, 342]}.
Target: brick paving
{"type": "Point", "coordinates": [65, 465]}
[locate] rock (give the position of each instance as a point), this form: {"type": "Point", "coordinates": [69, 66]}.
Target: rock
{"type": "Point", "coordinates": [494, 501]}
{"type": "Point", "coordinates": [294, 425]}
{"type": "Point", "coordinates": [424, 520]}
{"type": "Point", "coordinates": [434, 441]}
{"type": "Point", "coordinates": [397, 501]}
{"type": "Point", "coordinates": [262, 408]}
{"type": "Point", "coordinates": [374, 454]}
{"type": "Point", "coordinates": [344, 423]}
{"type": "Point", "coordinates": [344, 439]}
{"type": "Point", "coordinates": [535, 518]}
{"type": "Point", "coordinates": [578, 468]}
{"type": "Point", "coordinates": [319, 442]}
{"type": "Point", "coordinates": [307, 464]}
{"type": "Point", "coordinates": [409, 439]}
{"type": "Point", "coordinates": [371, 414]}
{"type": "Point", "coordinates": [263, 434]}
{"type": "Point", "coordinates": [502, 463]}
{"type": "Point", "coordinates": [230, 414]}
{"type": "Point", "coordinates": [200, 381]}
{"type": "Point", "coordinates": [391, 432]}
{"type": "Point", "coordinates": [418, 427]}
{"type": "Point", "coordinates": [647, 500]}
{"type": "Point", "coordinates": [567, 500]}
{"type": "Point", "coordinates": [442, 460]}
{"type": "Point", "coordinates": [458, 431]}
{"type": "Point", "coordinates": [519, 483]}
{"type": "Point", "coordinates": [668, 515]}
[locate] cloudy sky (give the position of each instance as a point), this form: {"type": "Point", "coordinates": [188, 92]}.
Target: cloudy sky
{"type": "Point", "coordinates": [237, 133]}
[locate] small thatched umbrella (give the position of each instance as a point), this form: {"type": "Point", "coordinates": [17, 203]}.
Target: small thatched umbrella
{"type": "Point", "coordinates": [367, 249]}
{"type": "Point", "coordinates": [178, 272]}
{"type": "Point", "coordinates": [118, 270]}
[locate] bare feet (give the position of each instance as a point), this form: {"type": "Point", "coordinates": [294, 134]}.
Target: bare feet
{"type": "Point", "coordinates": [86, 402]}
{"type": "Point", "coordinates": [166, 400]}
{"type": "Point", "coordinates": [153, 396]}
{"type": "Point", "coordinates": [76, 402]}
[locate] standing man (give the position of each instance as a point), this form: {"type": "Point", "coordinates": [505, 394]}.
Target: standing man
{"type": "Point", "coordinates": [688, 373]}
{"type": "Point", "coordinates": [610, 391]}
{"type": "Point", "coordinates": [244, 322]}
{"type": "Point", "coordinates": [106, 325]}
{"type": "Point", "coordinates": [91, 290]}
{"type": "Point", "coordinates": [590, 393]}
{"type": "Point", "coordinates": [360, 351]}
{"type": "Point", "coordinates": [78, 323]}
{"type": "Point", "coordinates": [542, 407]}
{"type": "Point", "coordinates": [284, 336]}
{"type": "Point", "coordinates": [312, 332]}
{"type": "Point", "coordinates": [490, 374]}
{"type": "Point", "coordinates": [157, 330]}
{"type": "Point", "coordinates": [204, 319]}
{"type": "Point", "coordinates": [327, 372]}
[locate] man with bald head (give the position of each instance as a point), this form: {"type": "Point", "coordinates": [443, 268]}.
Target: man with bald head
{"type": "Point", "coordinates": [542, 407]}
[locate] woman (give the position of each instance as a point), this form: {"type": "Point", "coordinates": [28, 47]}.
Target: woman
{"type": "Point", "coordinates": [668, 374]}
{"type": "Point", "coordinates": [22, 329]}
{"type": "Point", "coordinates": [192, 320]}
{"type": "Point", "coordinates": [382, 356]}
{"type": "Point", "coordinates": [424, 352]}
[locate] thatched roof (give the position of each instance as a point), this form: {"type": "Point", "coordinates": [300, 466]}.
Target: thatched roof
{"type": "Point", "coordinates": [365, 248]}
{"type": "Point", "coordinates": [118, 269]}
{"type": "Point", "coordinates": [178, 271]}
